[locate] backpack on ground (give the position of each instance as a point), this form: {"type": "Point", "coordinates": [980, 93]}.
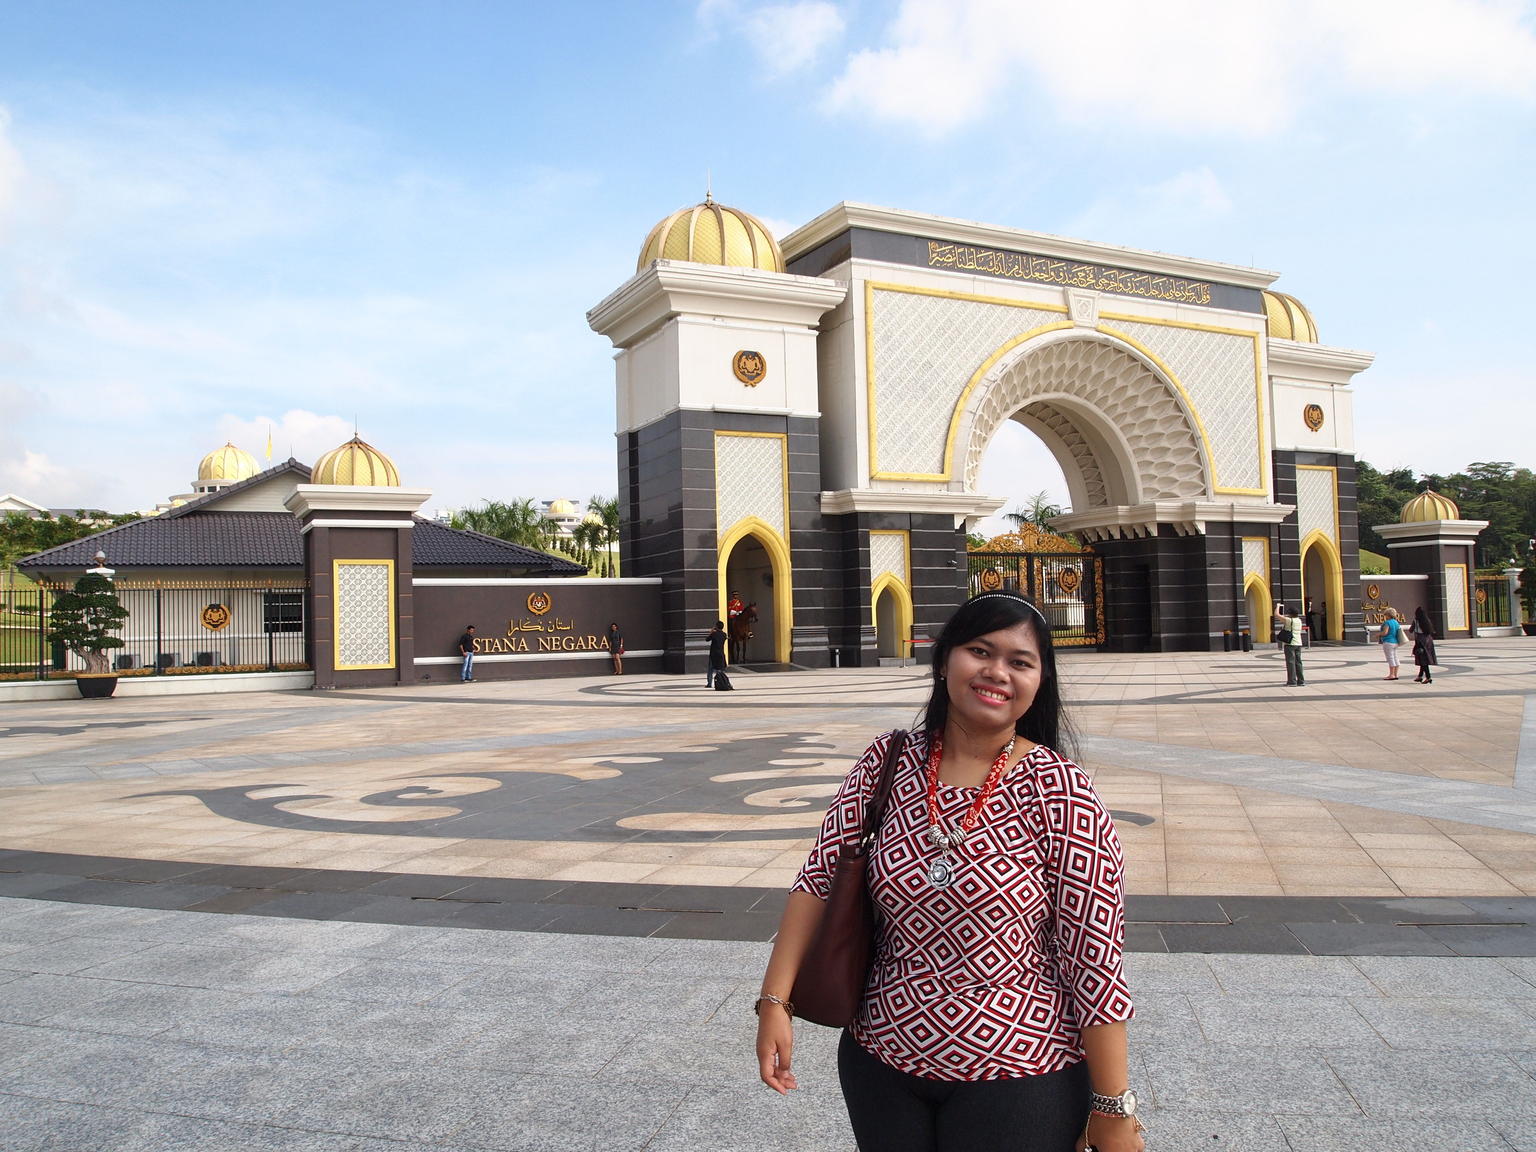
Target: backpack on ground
{"type": "Point", "coordinates": [723, 683]}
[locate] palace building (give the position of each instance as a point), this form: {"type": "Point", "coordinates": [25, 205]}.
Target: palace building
{"type": "Point", "coordinates": [804, 421]}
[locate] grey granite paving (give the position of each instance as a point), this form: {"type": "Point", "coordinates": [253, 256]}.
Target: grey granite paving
{"type": "Point", "coordinates": [225, 1032]}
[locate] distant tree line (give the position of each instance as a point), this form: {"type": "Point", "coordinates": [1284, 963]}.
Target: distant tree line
{"type": "Point", "coordinates": [1495, 491]}
{"type": "Point", "coordinates": [22, 534]}
{"type": "Point", "coordinates": [522, 521]}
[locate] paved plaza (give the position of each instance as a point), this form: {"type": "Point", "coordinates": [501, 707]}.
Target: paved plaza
{"type": "Point", "coordinates": [534, 915]}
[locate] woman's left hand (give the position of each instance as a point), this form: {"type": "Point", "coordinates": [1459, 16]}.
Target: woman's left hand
{"type": "Point", "coordinates": [1111, 1134]}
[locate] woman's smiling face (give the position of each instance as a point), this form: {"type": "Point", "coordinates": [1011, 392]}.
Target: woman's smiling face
{"type": "Point", "coordinates": [992, 679]}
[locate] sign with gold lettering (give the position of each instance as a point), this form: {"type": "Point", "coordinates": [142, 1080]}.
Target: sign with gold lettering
{"type": "Point", "coordinates": [1066, 273]}
{"type": "Point", "coordinates": [750, 367]}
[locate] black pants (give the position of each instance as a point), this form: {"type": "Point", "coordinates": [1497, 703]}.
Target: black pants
{"type": "Point", "coordinates": [894, 1111]}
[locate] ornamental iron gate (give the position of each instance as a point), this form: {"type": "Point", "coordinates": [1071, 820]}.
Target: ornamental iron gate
{"type": "Point", "coordinates": [171, 630]}
{"type": "Point", "coordinates": [1067, 587]}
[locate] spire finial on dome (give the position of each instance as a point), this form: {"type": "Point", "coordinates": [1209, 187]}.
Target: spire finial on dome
{"type": "Point", "coordinates": [709, 187]}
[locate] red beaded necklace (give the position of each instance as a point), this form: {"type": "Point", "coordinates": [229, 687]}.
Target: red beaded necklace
{"type": "Point", "coordinates": [945, 841]}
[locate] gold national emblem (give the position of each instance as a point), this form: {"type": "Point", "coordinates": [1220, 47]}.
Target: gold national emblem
{"type": "Point", "coordinates": [1373, 591]}
{"type": "Point", "coordinates": [1313, 415]}
{"type": "Point", "coordinates": [1482, 595]}
{"type": "Point", "coordinates": [750, 367]}
{"type": "Point", "coordinates": [1067, 580]}
{"type": "Point", "coordinates": [539, 603]}
{"type": "Point", "coordinates": [215, 617]}
{"type": "Point", "coordinates": [991, 579]}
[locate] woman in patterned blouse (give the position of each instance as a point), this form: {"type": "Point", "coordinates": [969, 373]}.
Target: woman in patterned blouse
{"type": "Point", "coordinates": [995, 1015]}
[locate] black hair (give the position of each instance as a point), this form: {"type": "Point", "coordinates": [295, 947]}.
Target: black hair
{"type": "Point", "coordinates": [1046, 721]}
{"type": "Point", "coordinates": [1421, 620]}
{"type": "Point", "coordinates": [719, 623]}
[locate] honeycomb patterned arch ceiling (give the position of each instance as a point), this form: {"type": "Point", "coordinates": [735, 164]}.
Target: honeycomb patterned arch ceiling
{"type": "Point", "coordinates": [1121, 435]}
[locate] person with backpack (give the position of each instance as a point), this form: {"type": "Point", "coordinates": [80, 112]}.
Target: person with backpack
{"type": "Point", "coordinates": [1288, 633]}
{"type": "Point", "coordinates": [717, 639]}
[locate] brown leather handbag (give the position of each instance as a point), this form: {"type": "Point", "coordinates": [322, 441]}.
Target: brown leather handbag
{"type": "Point", "coordinates": [830, 984]}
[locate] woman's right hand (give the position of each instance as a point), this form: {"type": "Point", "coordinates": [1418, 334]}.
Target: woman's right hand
{"type": "Point", "coordinates": [775, 1047]}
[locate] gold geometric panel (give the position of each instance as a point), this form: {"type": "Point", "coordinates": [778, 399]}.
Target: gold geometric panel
{"type": "Point", "coordinates": [1316, 502]}
{"type": "Point", "coordinates": [365, 616]}
{"type": "Point", "coordinates": [923, 350]}
{"type": "Point", "coordinates": [751, 479]}
{"type": "Point", "coordinates": [1456, 598]}
{"type": "Point", "coordinates": [888, 553]}
{"type": "Point", "coordinates": [1219, 371]}
{"type": "Point", "coordinates": [1255, 557]}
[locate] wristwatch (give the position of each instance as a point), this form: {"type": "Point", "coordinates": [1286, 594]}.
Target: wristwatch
{"type": "Point", "coordinates": [1121, 1105]}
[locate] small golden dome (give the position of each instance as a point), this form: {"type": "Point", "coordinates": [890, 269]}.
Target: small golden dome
{"type": "Point", "coordinates": [1289, 318]}
{"type": "Point", "coordinates": [561, 508]}
{"type": "Point", "coordinates": [356, 463]}
{"type": "Point", "coordinates": [592, 518]}
{"type": "Point", "coordinates": [711, 233]}
{"type": "Point", "coordinates": [1429, 505]}
{"type": "Point", "coordinates": [226, 465]}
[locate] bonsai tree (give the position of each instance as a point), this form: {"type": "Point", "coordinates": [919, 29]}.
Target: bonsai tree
{"type": "Point", "coordinates": [83, 620]}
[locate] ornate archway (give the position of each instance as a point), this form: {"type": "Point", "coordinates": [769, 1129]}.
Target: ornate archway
{"type": "Point", "coordinates": [1121, 429]}
{"type": "Point", "coordinates": [1322, 580]}
{"type": "Point", "coordinates": [778, 585]}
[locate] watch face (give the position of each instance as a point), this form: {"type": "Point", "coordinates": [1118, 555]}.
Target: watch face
{"type": "Point", "coordinates": [1129, 1102]}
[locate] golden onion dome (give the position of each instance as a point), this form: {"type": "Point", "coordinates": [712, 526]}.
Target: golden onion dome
{"type": "Point", "coordinates": [356, 463]}
{"type": "Point", "coordinates": [711, 233]}
{"type": "Point", "coordinates": [561, 508]}
{"type": "Point", "coordinates": [592, 518]}
{"type": "Point", "coordinates": [1289, 318]}
{"type": "Point", "coordinates": [226, 465]}
{"type": "Point", "coordinates": [1429, 505]}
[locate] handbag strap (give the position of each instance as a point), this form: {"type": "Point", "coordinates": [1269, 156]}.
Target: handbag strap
{"type": "Point", "coordinates": [874, 811]}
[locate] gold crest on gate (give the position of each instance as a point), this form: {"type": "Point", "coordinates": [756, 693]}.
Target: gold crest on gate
{"type": "Point", "coordinates": [991, 579]}
{"type": "Point", "coordinates": [215, 617]}
{"type": "Point", "coordinates": [749, 367]}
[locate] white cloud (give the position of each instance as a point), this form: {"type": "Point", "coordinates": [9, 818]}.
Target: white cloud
{"type": "Point", "coordinates": [1188, 66]}
{"type": "Point", "coordinates": [1151, 213]}
{"type": "Point", "coordinates": [785, 38]}
{"type": "Point", "coordinates": [299, 433]}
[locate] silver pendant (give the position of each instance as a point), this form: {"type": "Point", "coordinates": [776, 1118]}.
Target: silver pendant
{"type": "Point", "coordinates": [941, 873]}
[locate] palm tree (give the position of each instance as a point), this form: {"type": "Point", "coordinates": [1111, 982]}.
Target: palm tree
{"type": "Point", "coordinates": [517, 521]}
{"type": "Point", "coordinates": [607, 509]}
{"type": "Point", "coordinates": [1039, 512]}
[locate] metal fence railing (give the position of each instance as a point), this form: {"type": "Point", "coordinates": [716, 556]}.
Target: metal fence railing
{"type": "Point", "coordinates": [1491, 595]}
{"type": "Point", "coordinates": [171, 630]}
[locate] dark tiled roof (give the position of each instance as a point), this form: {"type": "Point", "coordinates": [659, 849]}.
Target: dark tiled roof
{"type": "Point", "coordinates": [272, 540]}
{"type": "Point", "coordinates": [437, 545]}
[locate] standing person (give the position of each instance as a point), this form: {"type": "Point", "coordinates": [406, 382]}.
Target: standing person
{"type": "Point", "coordinates": [616, 648]}
{"type": "Point", "coordinates": [995, 1013]}
{"type": "Point", "coordinates": [467, 651]}
{"type": "Point", "coordinates": [1391, 636]}
{"type": "Point", "coordinates": [1288, 633]}
{"type": "Point", "coordinates": [734, 606]}
{"type": "Point", "coordinates": [716, 653]}
{"type": "Point", "coordinates": [1423, 645]}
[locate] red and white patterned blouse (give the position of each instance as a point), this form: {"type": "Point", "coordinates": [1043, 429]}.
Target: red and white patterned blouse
{"type": "Point", "coordinates": [973, 981]}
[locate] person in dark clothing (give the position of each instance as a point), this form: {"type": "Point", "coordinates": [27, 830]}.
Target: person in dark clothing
{"type": "Point", "coordinates": [616, 648]}
{"type": "Point", "coordinates": [1423, 646]}
{"type": "Point", "coordinates": [717, 639]}
{"type": "Point", "coordinates": [467, 651]}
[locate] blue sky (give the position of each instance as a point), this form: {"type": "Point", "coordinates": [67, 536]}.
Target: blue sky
{"type": "Point", "coordinates": [219, 217]}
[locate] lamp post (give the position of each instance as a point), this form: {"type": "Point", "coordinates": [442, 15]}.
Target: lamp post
{"type": "Point", "coordinates": [101, 568]}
